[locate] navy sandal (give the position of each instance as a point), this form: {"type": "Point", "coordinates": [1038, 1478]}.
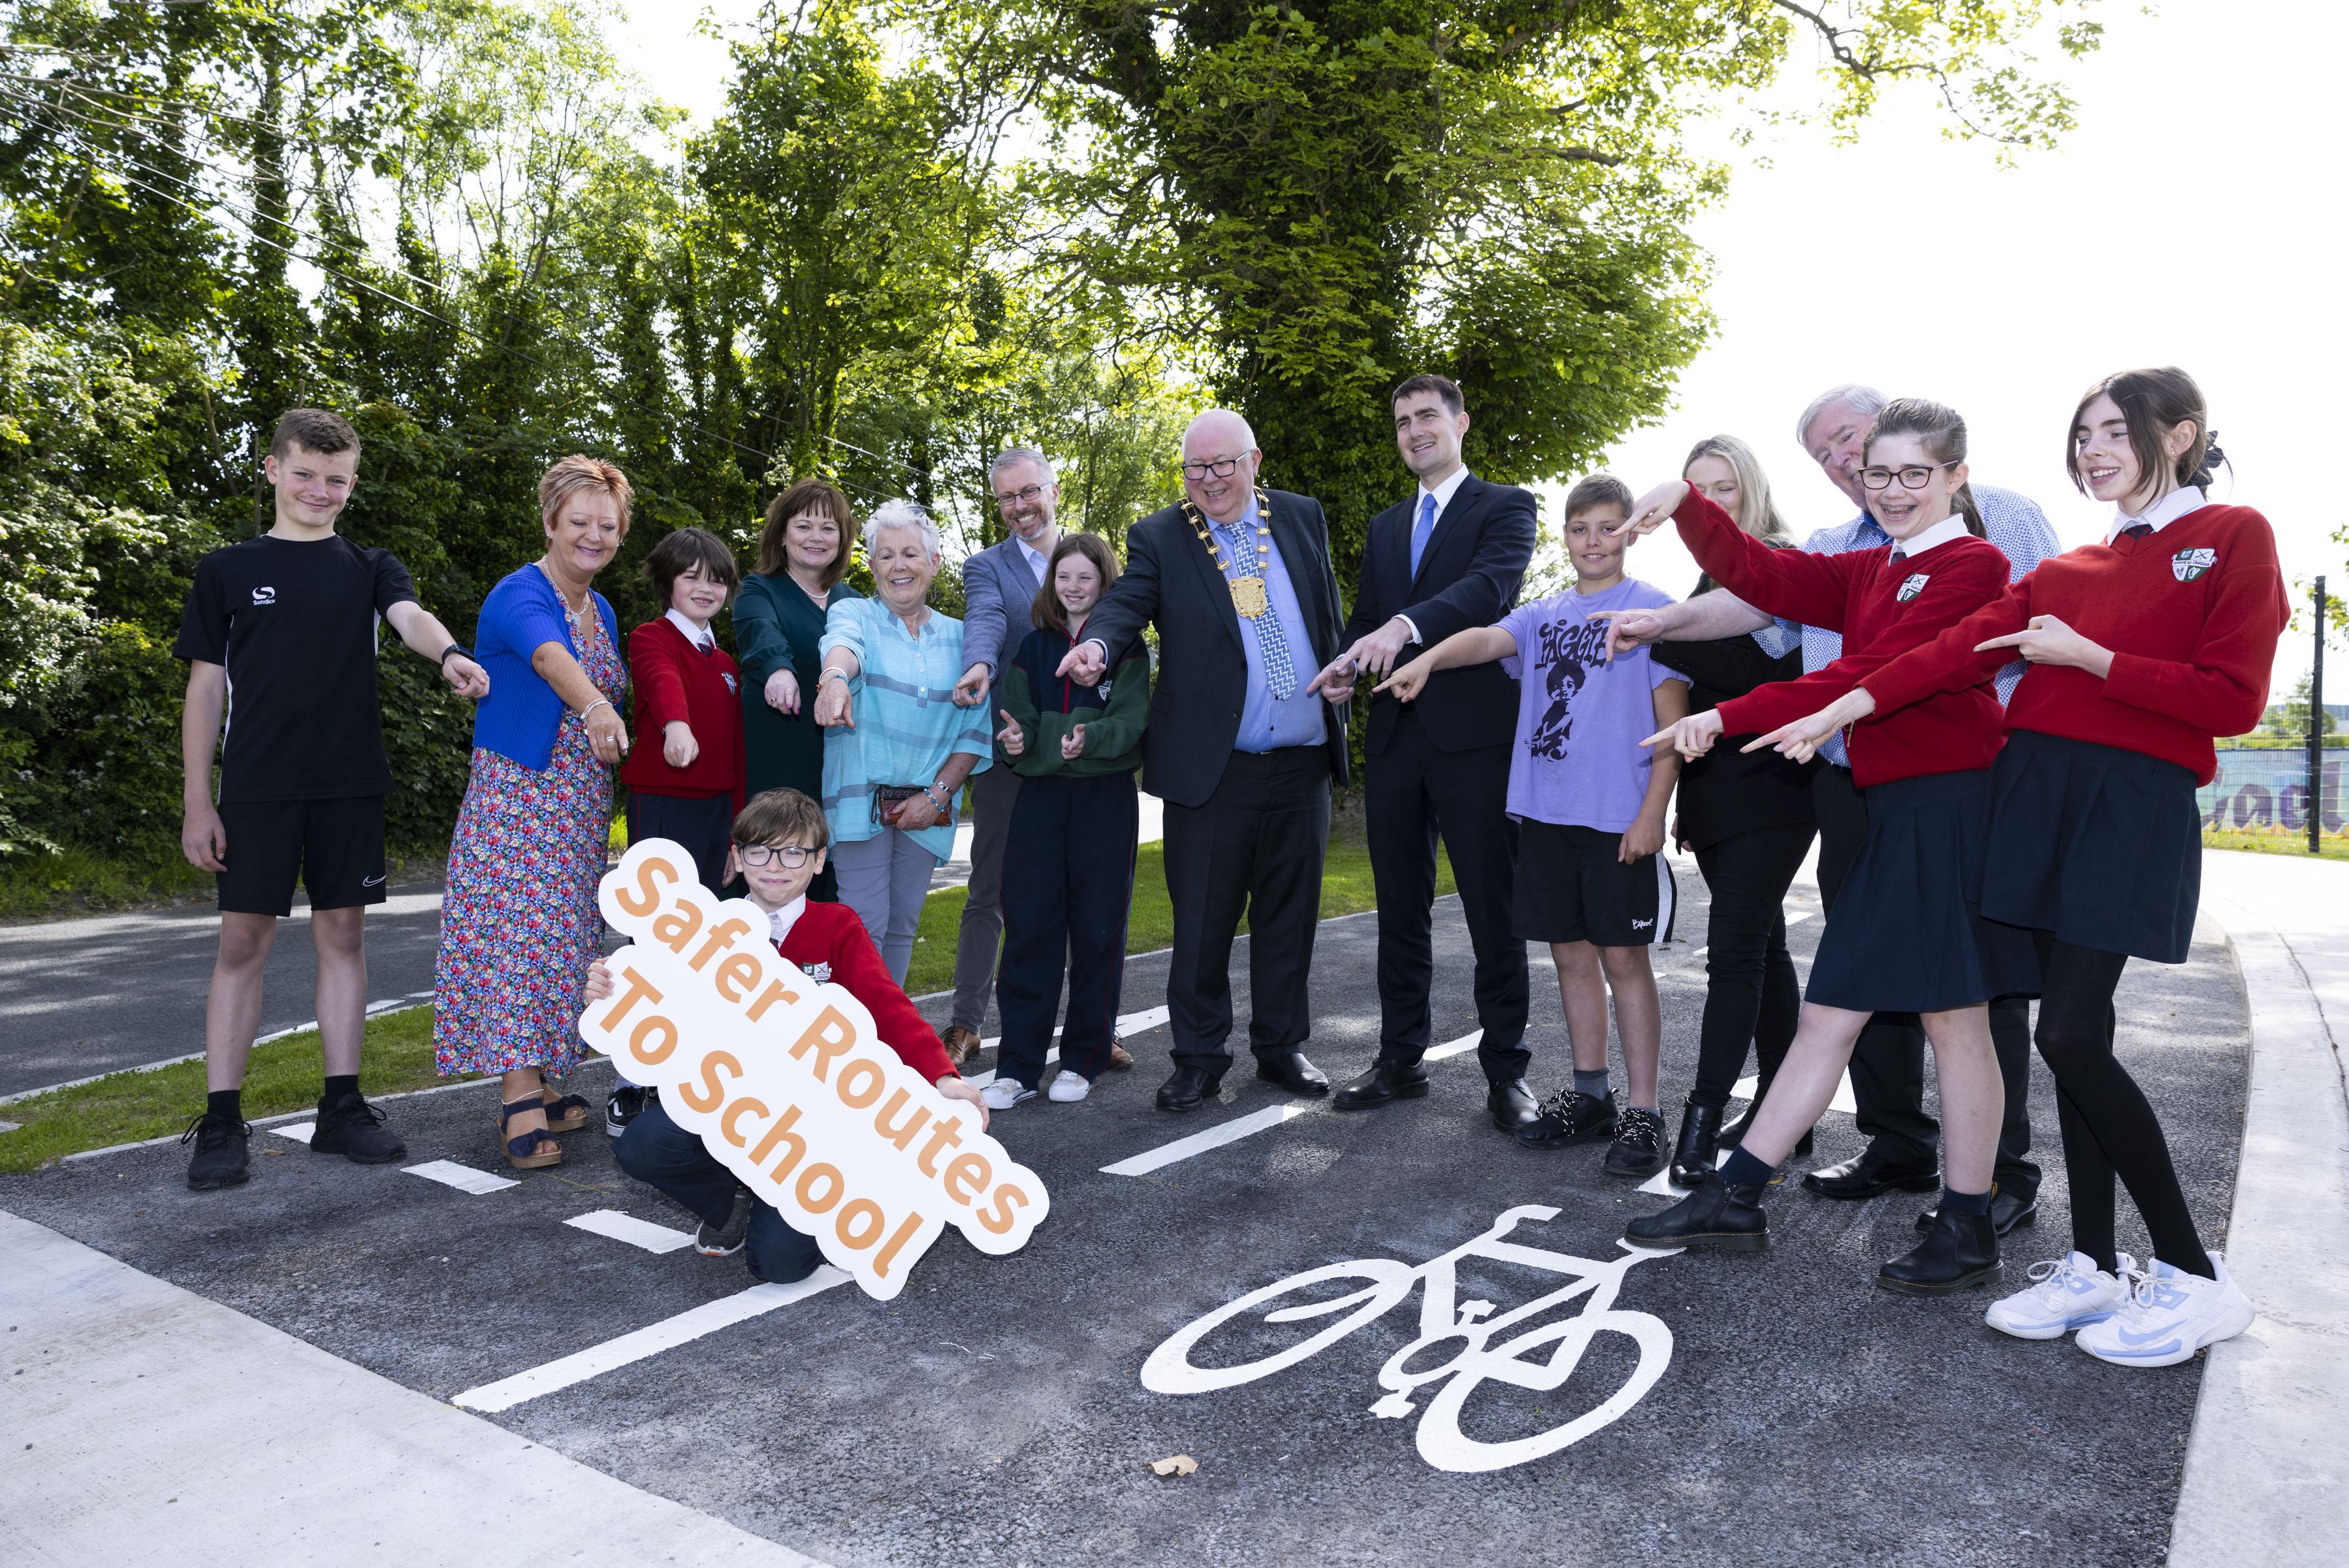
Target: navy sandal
{"type": "Point", "coordinates": [534, 1150]}
{"type": "Point", "coordinates": [568, 1113]}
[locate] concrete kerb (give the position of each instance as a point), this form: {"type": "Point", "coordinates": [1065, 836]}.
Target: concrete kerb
{"type": "Point", "coordinates": [2266, 1480]}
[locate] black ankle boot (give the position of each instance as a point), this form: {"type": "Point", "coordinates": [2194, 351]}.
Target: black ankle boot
{"type": "Point", "coordinates": [1958, 1253]}
{"type": "Point", "coordinates": [1716, 1215]}
{"type": "Point", "coordinates": [1699, 1145]}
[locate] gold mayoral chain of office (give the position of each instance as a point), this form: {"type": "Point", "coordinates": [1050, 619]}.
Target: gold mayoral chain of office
{"type": "Point", "coordinates": [1248, 595]}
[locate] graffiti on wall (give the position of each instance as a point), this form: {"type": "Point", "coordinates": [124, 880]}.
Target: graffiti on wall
{"type": "Point", "coordinates": [2269, 789]}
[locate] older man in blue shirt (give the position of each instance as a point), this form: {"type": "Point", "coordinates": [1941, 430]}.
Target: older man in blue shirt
{"type": "Point", "coordinates": [1238, 581]}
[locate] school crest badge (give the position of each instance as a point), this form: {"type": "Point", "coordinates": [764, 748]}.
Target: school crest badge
{"type": "Point", "coordinates": [1912, 587]}
{"type": "Point", "coordinates": [2187, 565]}
{"type": "Point", "coordinates": [732, 688]}
{"type": "Point", "coordinates": [819, 973]}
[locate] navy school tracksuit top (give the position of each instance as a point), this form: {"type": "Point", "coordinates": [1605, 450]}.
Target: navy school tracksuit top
{"type": "Point", "coordinates": [1047, 706]}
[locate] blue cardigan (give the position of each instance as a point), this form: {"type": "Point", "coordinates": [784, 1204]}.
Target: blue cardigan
{"type": "Point", "coordinates": [520, 716]}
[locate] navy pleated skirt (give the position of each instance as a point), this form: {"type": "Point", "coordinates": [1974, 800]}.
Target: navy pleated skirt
{"type": "Point", "coordinates": [1907, 934]}
{"type": "Point", "coordinates": [2101, 845]}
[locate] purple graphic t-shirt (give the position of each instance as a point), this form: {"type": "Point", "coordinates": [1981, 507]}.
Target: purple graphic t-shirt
{"type": "Point", "coordinates": [1578, 762]}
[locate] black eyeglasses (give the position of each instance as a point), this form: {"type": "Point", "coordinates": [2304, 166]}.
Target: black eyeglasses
{"type": "Point", "coordinates": [1913, 477]}
{"type": "Point", "coordinates": [1222, 468]}
{"type": "Point", "coordinates": [793, 855]}
{"type": "Point", "coordinates": [1027, 497]}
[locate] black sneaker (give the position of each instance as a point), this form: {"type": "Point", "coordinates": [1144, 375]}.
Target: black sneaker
{"type": "Point", "coordinates": [1569, 1117]}
{"type": "Point", "coordinates": [627, 1104]}
{"type": "Point", "coordinates": [355, 1130]}
{"type": "Point", "coordinates": [725, 1241]}
{"type": "Point", "coordinates": [220, 1160]}
{"type": "Point", "coordinates": [1639, 1149]}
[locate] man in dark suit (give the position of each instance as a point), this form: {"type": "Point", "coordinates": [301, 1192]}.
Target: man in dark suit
{"type": "Point", "coordinates": [1238, 582]}
{"type": "Point", "coordinates": [1449, 558]}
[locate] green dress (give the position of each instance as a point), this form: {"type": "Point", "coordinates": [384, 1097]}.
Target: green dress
{"type": "Point", "coordinates": [777, 626]}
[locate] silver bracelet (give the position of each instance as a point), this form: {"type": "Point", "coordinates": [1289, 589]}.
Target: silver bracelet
{"type": "Point", "coordinates": [832, 673]}
{"type": "Point", "coordinates": [599, 702]}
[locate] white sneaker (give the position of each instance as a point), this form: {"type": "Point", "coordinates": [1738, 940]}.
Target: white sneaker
{"type": "Point", "coordinates": [2168, 1316]}
{"type": "Point", "coordinates": [1068, 1088]}
{"type": "Point", "coordinates": [1002, 1093]}
{"type": "Point", "coordinates": [2065, 1293]}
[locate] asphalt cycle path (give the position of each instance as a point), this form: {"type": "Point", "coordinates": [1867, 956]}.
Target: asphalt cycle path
{"type": "Point", "coordinates": [1493, 1380]}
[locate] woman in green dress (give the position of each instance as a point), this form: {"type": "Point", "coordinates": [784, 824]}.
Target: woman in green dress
{"type": "Point", "coordinates": [804, 552]}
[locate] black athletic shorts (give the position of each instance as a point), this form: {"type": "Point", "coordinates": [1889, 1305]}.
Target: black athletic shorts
{"type": "Point", "coordinates": [333, 847]}
{"type": "Point", "coordinates": [1569, 887]}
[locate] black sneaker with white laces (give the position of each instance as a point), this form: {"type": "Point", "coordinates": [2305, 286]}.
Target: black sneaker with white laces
{"type": "Point", "coordinates": [1639, 1149]}
{"type": "Point", "coordinates": [1569, 1117]}
{"type": "Point", "coordinates": [627, 1104]}
{"type": "Point", "coordinates": [725, 1241]}
{"type": "Point", "coordinates": [219, 1157]}
{"type": "Point", "coordinates": [355, 1130]}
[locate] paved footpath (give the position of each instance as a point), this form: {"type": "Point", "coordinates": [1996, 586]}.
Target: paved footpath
{"type": "Point", "coordinates": [407, 1365]}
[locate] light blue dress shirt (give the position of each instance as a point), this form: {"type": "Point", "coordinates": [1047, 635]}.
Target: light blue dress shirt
{"type": "Point", "coordinates": [1265, 724]}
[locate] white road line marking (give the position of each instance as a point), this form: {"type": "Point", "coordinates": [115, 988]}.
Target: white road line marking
{"type": "Point", "coordinates": [463, 1178]}
{"type": "Point", "coordinates": [1214, 1137]}
{"type": "Point", "coordinates": [299, 1132]}
{"type": "Point", "coordinates": [981, 1080]}
{"type": "Point", "coordinates": [1128, 1023]}
{"type": "Point", "coordinates": [643, 1343]}
{"type": "Point", "coordinates": [1799, 916]}
{"type": "Point", "coordinates": [1841, 1102]}
{"type": "Point", "coordinates": [1451, 1048]}
{"type": "Point", "coordinates": [636, 1232]}
{"type": "Point", "coordinates": [10, 1126]}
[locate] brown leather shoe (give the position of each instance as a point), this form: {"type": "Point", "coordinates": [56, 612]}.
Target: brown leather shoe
{"type": "Point", "coordinates": [1119, 1056]}
{"type": "Point", "coordinates": [960, 1044]}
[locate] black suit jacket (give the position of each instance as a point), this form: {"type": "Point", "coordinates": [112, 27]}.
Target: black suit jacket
{"type": "Point", "coordinates": [1170, 581]}
{"type": "Point", "coordinates": [1468, 576]}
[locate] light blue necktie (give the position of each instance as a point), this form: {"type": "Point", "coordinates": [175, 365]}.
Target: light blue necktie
{"type": "Point", "coordinates": [1271, 640]}
{"type": "Point", "coordinates": [1420, 530]}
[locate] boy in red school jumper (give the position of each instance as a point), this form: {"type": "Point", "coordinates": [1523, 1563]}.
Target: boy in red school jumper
{"type": "Point", "coordinates": [779, 843]}
{"type": "Point", "coordinates": [688, 786]}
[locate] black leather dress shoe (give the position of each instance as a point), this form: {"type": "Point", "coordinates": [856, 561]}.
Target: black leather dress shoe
{"type": "Point", "coordinates": [1865, 1176]}
{"type": "Point", "coordinates": [1699, 1146]}
{"type": "Point", "coordinates": [1188, 1089]}
{"type": "Point", "coordinates": [1733, 1134]}
{"type": "Point", "coordinates": [1511, 1105]}
{"type": "Point", "coordinates": [1960, 1252]}
{"type": "Point", "coordinates": [1716, 1215]}
{"type": "Point", "coordinates": [1385, 1081]}
{"type": "Point", "coordinates": [1291, 1071]}
{"type": "Point", "coordinates": [1571, 1116]}
{"type": "Point", "coordinates": [2007, 1212]}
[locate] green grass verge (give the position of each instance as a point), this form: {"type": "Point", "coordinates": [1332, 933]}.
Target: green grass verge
{"type": "Point", "coordinates": [2330, 846]}
{"type": "Point", "coordinates": [125, 1107]}
{"type": "Point", "coordinates": [73, 880]}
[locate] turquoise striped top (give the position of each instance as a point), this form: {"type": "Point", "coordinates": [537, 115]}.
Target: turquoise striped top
{"type": "Point", "coordinates": [906, 722]}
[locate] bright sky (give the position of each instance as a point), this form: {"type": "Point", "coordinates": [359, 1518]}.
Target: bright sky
{"type": "Point", "coordinates": [2192, 219]}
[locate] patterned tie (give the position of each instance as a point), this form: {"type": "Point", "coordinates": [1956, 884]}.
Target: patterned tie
{"type": "Point", "coordinates": [1279, 674]}
{"type": "Point", "coordinates": [2136, 529]}
{"type": "Point", "coordinates": [1420, 530]}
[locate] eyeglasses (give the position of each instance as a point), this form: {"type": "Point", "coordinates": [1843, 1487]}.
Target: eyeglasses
{"type": "Point", "coordinates": [1913, 477]}
{"type": "Point", "coordinates": [1027, 497]}
{"type": "Point", "coordinates": [793, 855]}
{"type": "Point", "coordinates": [1222, 468]}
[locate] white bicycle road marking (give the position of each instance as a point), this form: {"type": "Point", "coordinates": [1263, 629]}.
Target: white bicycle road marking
{"type": "Point", "coordinates": [1442, 1318]}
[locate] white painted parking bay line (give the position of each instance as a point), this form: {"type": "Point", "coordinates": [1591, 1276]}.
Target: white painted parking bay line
{"type": "Point", "coordinates": [1214, 1137]}
{"type": "Point", "coordinates": [636, 1232]}
{"type": "Point", "coordinates": [646, 1341]}
{"type": "Point", "coordinates": [463, 1178]}
{"type": "Point", "coordinates": [299, 1132]}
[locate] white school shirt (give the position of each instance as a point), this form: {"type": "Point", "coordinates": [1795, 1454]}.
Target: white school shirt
{"type": "Point", "coordinates": [701, 637]}
{"type": "Point", "coordinates": [1932, 538]}
{"type": "Point", "coordinates": [1443, 493]}
{"type": "Point", "coordinates": [780, 921]}
{"type": "Point", "coordinates": [2161, 513]}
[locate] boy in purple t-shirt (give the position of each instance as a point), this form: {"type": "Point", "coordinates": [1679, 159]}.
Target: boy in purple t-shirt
{"type": "Point", "coordinates": [1589, 800]}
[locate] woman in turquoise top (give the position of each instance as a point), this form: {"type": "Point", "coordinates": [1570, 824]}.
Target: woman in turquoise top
{"type": "Point", "coordinates": [900, 742]}
{"type": "Point", "coordinates": [804, 552]}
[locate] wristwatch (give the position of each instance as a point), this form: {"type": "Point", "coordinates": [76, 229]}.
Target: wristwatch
{"type": "Point", "coordinates": [454, 648]}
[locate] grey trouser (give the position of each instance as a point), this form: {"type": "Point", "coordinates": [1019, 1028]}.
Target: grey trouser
{"type": "Point", "coordinates": [885, 879]}
{"type": "Point", "coordinates": [993, 793]}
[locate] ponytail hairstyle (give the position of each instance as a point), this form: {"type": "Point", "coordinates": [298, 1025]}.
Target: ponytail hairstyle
{"type": "Point", "coordinates": [2155, 403]}
{"type": "Point", "coordinates": [1943, 430]}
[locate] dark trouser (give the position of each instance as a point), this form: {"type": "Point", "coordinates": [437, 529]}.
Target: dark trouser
{"type": "Point", "coordinates": [706, 828]}
{"type": "Point", "coordinates": [1751, 991]}
{"type": "Point", "coordinates": [667, 1158]}
{"type": "Point", "coordinates": [1412, 790]}
{"type": "Point", "coordinates": [1888, 1066]}
{"type": "Point", "coordinates": [2109, 1130]}
{"type": "Point", "coordinates": [994, 799]}
{"type": "Point", "coordinates": [1068, 884]}
{"type": "Point", "coordinates": [1254, 848]}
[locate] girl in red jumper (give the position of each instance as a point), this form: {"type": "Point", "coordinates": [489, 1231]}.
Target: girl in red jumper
{"type": "Point", "coordinates": [688, 699]}
{"type": "Point", "coordinates": [1905, 935]}
{"type": "Point", "coordinates": [2142, 649]}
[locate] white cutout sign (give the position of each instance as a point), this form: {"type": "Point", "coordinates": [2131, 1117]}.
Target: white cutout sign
{"type": "Point", "coordinates": [1462, 1343]}
{"type": "Point", "coordinates": [789, 1084]}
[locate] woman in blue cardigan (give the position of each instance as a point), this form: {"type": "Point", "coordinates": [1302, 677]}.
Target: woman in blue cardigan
{"type": "Point", "coordinates": [519, 923]}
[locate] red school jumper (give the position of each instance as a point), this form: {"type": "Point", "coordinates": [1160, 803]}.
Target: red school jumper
{"type": "Point", "coordinates": [675, 680]}
{"type": "Point", "coordinates": [2191, 612]}
{"type": "Point", "coordinates": [1883, 607]}
{"type": "Point", "coordinates": [830, 943]}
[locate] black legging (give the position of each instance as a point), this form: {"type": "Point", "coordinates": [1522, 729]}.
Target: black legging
{"type": "Point", "coordinates": [1750, 993]}
{"type": "Point", "coordinates": [2109, 1130]}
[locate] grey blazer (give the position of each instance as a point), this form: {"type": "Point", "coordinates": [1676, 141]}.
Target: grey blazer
{"type": "Point", "coordinates": [999, 591]}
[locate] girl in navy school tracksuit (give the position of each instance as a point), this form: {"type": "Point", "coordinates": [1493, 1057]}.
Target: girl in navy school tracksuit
{"type": "Point", "coordinates": [1067, 862]}
{"type": "Point", "coordinates": [1907, 935]}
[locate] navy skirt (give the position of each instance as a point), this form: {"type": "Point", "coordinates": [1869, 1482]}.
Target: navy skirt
{"type": "Point", "coordinates": [2100, 845]}
{"type": "Point", "coordinates": [1907, 934]}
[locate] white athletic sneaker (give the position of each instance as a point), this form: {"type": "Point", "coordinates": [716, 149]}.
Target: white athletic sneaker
{"type": "Point", "coordinates": [2168, 1316]}
{"type": "Point", "coordinates": [2065, 1293]}
{"type": "Point", "coordinates": [1068, 1088]}
{"type": "Point", "coordinates": [1002, 1093]}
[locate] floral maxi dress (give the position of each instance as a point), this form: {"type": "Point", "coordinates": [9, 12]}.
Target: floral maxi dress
{"type": "Point", "coordinates": [519, 921]}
